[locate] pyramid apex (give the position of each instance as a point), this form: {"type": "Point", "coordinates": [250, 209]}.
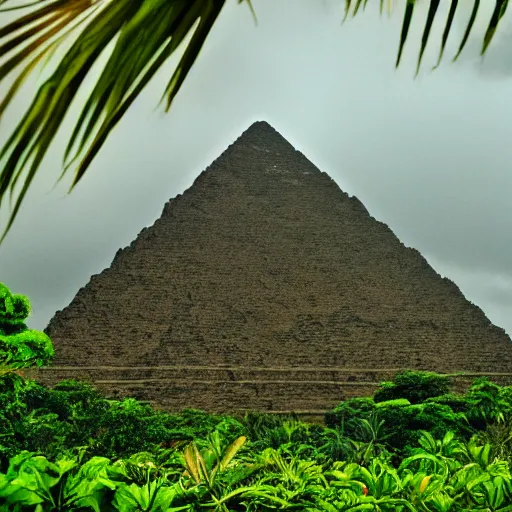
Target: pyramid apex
{"type": "Point", "coordinates": [261, 124]}
{"type": "Point", "coordinates": [261, 127]}
{"type": "Point", "coordinates": [263, 134]}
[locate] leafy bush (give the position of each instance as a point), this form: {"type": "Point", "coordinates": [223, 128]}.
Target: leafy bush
{"type": "Point", "coordinates": [415, 386]}
{"type": "Point", "coordinates": [404, 424]}
{"type": "Point", "coordinates": [490, 402]}
{"type": "Point", "coordinates": [258, 424]}
{"type": "Point", "coordinates": [20, 347]}
{"type": "Point", "coordinates": [458, 403]}
{"type": "Point", "coordinates": [406, 412]}
{"type": "Point", "coordinates": [73, 413]}
{"type": "Point", "coordinates": [347, 410]}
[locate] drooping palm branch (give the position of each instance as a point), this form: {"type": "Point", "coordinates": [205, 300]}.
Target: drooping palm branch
{"type": "Point", "coordinates": [139, 36]}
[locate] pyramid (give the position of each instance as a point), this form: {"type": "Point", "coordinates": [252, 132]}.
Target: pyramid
{"type": "Point", "coordinates": [264, 286]}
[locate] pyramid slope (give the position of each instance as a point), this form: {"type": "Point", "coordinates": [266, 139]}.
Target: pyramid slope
{"type": "Point", "coordinates": [265, 262]}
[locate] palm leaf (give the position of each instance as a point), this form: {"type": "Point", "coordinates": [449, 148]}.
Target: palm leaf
{"type": "Point", "coordinates": [145, 34]}
{"type": "Point", "coordinates": [358, 4]}
{"type": "Point", "coordinates": [409, 9]}
{"type": "Point", "coordinates": [469, 26]}
{"type": "Point", "coordinates": [446, 33]}
{"type": "Point", "coordinates": [141, 36]}
{"type": "Point", "coordinates": [499, 12]}
{"type": "Point", "coordinates": [347, 8]}
{"type": "Point", "coordinates": [432, 10]}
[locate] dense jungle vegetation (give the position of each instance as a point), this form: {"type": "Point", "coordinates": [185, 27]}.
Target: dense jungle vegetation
{"type": "Point", "coordinates": [413, 446]}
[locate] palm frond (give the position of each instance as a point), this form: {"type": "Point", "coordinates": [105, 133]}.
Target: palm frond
{"type": "Point", "coordinates": [500, 7]}
{"type": "Point", "coordinates": [144, 35]}
{"type": "Point", "coordinates": [140, 36]}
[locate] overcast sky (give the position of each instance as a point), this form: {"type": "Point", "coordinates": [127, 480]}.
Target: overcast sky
{"type": "Point", "coordinates": [431, 157]}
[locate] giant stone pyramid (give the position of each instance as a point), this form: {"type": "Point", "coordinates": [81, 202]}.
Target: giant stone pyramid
{"type": "Point", "coordinates": [264, 286]}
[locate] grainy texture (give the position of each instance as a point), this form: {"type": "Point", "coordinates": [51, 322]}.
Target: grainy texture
{"type": "Point", "coordinates": [265, 262]}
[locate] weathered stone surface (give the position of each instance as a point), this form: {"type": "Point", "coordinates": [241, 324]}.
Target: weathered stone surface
{"type": "Point", "coordinates": [265, 262]}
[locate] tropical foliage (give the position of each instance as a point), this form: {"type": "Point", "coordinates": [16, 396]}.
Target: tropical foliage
{"type": "Point", "coordinates": [139, 37]}
{"type": "Point", "coordinates": [70, 449]}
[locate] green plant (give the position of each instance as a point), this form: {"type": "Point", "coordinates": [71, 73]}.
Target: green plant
{"type": "Point", "coordinates": [400, 422]}
{"type": "Point", "coordinates": [442, 474]}
{"type": "Point", "coordinates": [370, 439]}
{"type": "Point", "coordinates": [213, 476]}
{"type": "Point", "coordinates": [204, 467]}
{"type": "Point", "coordinates": [499, 436]}
{"type": "Point", "coordinates": [489, 401]}
{"type": "Point", "coordinates": [334, 446]}
{"type": "Point", "coordinates": [415, 386]}
{"type": "Point", "coordinates": [127, 427]}
{"type": "Point", "coordinates": [456, 402]}
{"type": "Point", "coordinates": [20, 347]}
{"type": "Point", "coordinates": [60, 486]}
{"type": "Point", "coordinates": [150, 497]}
{"type": "Point", "coordinates": [347, 410]}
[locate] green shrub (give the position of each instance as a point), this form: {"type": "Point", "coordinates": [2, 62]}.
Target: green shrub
{"type": "Point", "coordinates": [259, 424]}
{"type": "Point", "coordinates": [490, 401]}
{"type": "Point", "coordinates": [74, 414]}
{"type": "Point", "coordinates": [20, 347]}
{"type": "Point", "coordinates": [334, 446]}
{"type": "Point", "coordinates": [403, 424]}
{"type": "Point", "coordinates": [415, 386]}
{"type": "Point", "coordinates": [402, 420]}
{"type": "Point", "coordinates": [230, 428]}
{"type": "Point", "coordinates": [458, 403]}
{"type": "Point", "coordinates": [199, 423]}
{"type": "Point", "coordinates": [393, 403]}
{"type": "Point", "coordinates": [348, 409]}
{"type": "Point", "coordinates": [68, 398]}
{"type": "Point", "coordinates": [14, 309]}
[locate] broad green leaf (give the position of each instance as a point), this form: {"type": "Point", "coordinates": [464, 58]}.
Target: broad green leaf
{"type": "Point", "coordinates": [231, 451]}
{"type": "Point", "coordinates": [192, 464]}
